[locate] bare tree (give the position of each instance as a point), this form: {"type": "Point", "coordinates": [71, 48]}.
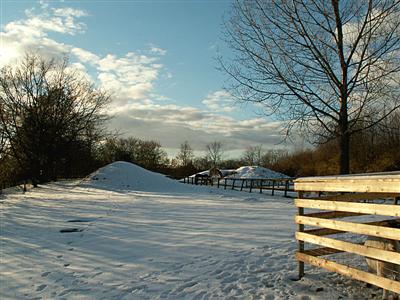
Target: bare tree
{"type": "Point", "coordinates": [50, 117]}
{"type": "Point", "coordinates": [319, 65]}
{"type": "Point", "coordinates": [253, 155]}
{"type": "Point", "coordinates": [151, 155]}
{"type": "Point", "coordinates": [185, 155]}
{"type": "Point", "coordinates": [214, 153]}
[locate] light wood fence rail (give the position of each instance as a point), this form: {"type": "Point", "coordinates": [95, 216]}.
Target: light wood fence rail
{"type": "Point", "coordinates": [370, 202]}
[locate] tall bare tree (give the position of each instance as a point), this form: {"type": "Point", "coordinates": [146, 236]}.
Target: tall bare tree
{"type": "Point", "coordinates": [185, 155]}
{"type": "Point", "coordinates": [214, 153]}
{"type": "Point", "coordinates": [319, 65]}
{"type": "Point", "coordinates": [253, 155]}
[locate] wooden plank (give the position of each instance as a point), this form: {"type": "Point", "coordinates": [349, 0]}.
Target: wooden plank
{"type": "Point", "coordinates": [384, 255]}
{"type": "Point", "coordinates": [382, 282]}
{"type": "Point", "coordinates": [327, 231]}
{"type": "Point", "coordinates": [360, 228]}
{"type": "Point", "coordinates": [354, 197]}
{"type": "Point", "coordinates": [333, 214]}
{"type": "Point", "coordinates": [321, 251]}
{"type": "Point", "coordinates": [388, 182]}
{"type": "Point", "coordinates": [323, 231]}
{"type": "Point", "coordinates": [300, 228]}
{"type": "Point", "coordinates": [366, 208]}
{"type": "Point", "coordinates": [372, 186]}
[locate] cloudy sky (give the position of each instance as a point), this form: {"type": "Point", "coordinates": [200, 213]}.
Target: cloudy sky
{"type": "Point", "coordinates": [157, 59]}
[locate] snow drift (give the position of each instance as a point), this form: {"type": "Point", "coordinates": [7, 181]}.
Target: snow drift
{"type": "Point", "coordinates": [256, 172]}
{"type": "Point", "coordinates": [249, 172]}
{"type": "Point", "coordinates": [125, 176]}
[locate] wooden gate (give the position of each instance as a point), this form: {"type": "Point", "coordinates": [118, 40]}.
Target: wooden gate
{"type": "Point", "coordinates": [365, 201]}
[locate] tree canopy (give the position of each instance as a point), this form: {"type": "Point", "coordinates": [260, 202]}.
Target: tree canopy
{"type": "Point", "coordinates": [322, 66]}
{"type": "Point", "coordinates": [50, 117]}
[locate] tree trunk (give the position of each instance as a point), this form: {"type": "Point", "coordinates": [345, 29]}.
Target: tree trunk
{"type": "Point", "coordinates": [344, 138]}
{"type": "Point", "coordinates": [344, 144]}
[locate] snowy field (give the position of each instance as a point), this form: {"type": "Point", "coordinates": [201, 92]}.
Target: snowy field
{"type": "Point", "coordinates": [125, 233]}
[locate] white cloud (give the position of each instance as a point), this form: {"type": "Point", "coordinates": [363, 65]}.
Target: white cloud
{"type": "Point", "coordinates": [32, 33]}
{"type": "Point", "coordinates": [158, 50]}
{"type": "Point", "coordinates": [172, 124]}
{"type": "Point", "coordinates": [172, 133]}
{"type": "Point", "coordinates": [84, 55]}
{"type": "Point", "coordinates": [130, 77]}
{"type": "Point", "coordinates": [220, 101]}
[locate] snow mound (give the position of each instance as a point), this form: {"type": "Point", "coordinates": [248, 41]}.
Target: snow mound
{"type": "Point", "coordinates": [126, 176]}
{"type": "Point", "coordinates": [256, 172]}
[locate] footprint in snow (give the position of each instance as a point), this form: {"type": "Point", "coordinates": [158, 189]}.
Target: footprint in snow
{"type": "Point", "coordinates": [79, 220]}
{"type": "Point", "coordinates": [185, 286]}
{"type": "Point", "coordinates": [44, 274]}
{"type": "Point", "coordinates": [41, 288]}
{"type": "Point", "coordinates": [70, 230]}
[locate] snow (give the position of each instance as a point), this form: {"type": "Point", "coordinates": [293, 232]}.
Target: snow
{"type": "Point", "coordinates": [120, 176]}
{"type": "Point", "coordinates": [256, 172]}
{"type": "Point", "coordinates": [224, 172]}
{"type": "Point", "coordinates": [249, 172]}
{"type": "Point", "coordinates": [134, 234]}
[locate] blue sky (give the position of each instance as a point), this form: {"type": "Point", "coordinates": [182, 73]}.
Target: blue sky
{"type": "Point", "coordinates": [157, 58]}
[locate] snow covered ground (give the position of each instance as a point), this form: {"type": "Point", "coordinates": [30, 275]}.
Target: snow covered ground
{"type": "Point", "coordinates": [118, 235]}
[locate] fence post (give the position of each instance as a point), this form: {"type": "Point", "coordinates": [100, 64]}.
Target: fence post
{"type": "Point", "coordinates": [301, 243]}
{"type": "Point", "coordinates": [218, 182]}
{"type": "Point", "coordinates": [286, 187]}
{"type": "Point", "coordinates": [251, 185]}
{"type": "Point", "coordinates": [241, 187]}
{"type": "Point", "coordinates": [261, 186]}
{"type": "Point", "coordinates": [225, 184]}
{"type": "Point", "coordinates": [233, 184]}
{"type": "Point", "coordinates": [273, 187]}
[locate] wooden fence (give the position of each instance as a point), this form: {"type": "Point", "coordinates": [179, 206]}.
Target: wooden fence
{"type": "Point", "coordinates": [367, 200]}
{"type": "Point", "coordinates": [251, 185]}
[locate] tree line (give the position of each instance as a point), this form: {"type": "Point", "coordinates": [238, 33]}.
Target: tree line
{"type": "Point", "coordinates": [53, 125]}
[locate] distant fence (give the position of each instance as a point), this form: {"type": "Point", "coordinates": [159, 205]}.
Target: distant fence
{"type": "Point", "coordinates": [366, 200]}
{"type": "Point", "coordinates": [250, 185]}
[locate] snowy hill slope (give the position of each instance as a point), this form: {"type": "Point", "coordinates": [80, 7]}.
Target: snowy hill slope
{"type": "Point", "coordinates": [250, 172]}
{"type": "Point", "coordinates": [125, 176]}
{"type": "Point", "coordinates": [256, 172]}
